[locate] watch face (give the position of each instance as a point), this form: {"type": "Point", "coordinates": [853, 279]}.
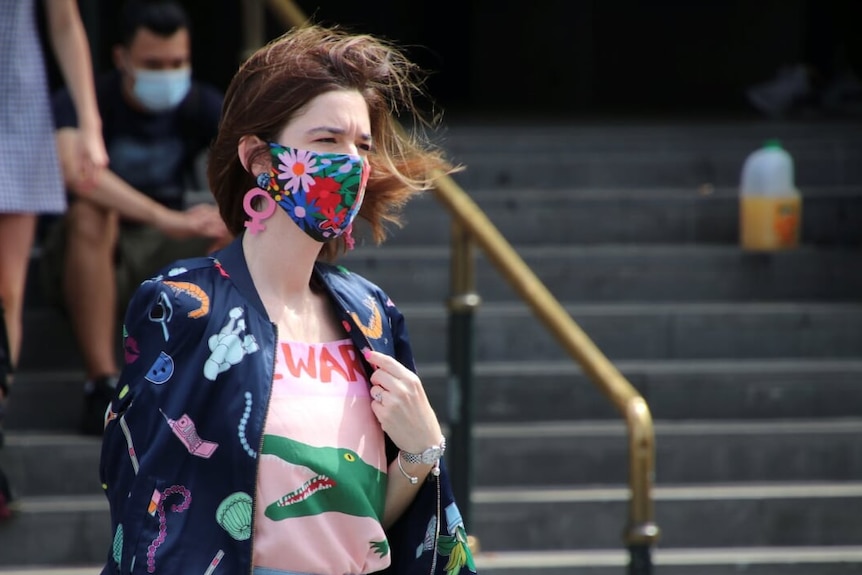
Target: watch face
{"type": "Point", "coordinates": [431, 455]}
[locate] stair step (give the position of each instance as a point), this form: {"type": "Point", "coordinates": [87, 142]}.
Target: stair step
{"type": "Point", "coordinates": [625, 273]}
{"type": "Point", "coordinates": [575, 216]}
{"type": "Point", "coordinates": [79, 528]}
{"type": "Point", "coordinates": [755, 561]}
{"type": "Point", "coordinates": [613, 273]}
{"type": "Point", "coordinates": [43, 464]}
{"type": "Point", "coordinates": [633, 136]}
{"type": "Point", "coordinates": [558, 390]}
{"type": "Point", "coordinates": [507, 331]}
{"type": "Point", "coordinates": [592, 453]}
{"type": "Point", "coordinates": [645, 168]}
{"type": "Point", "coordinates": [674, 389]}
{"type": "Point", "coordinates": [768, 514]}
{"type": "Point", "coordinates": [756, 515]}
{"type": "Point", "coordinates": [46, 400]}
{"type": "Point", "coordinates": [645, 156]}
{"type": "Point", "coordinates": [654, 331]}
{"type": "Point", "coordinates": [562, 453]}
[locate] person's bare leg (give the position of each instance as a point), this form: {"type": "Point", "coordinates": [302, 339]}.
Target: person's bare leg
{"type": "Point", "coordinates": [16, 240]}
{"type": "Point", "coordinates": [89, 284]}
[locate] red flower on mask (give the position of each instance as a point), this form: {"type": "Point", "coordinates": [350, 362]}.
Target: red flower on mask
{"type": "Point", "coordinates": [333, 219]}
{"type": "Point", "coordinates": [324, 193]}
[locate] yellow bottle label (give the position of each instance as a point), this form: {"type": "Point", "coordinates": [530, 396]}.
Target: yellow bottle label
{"type": "Point", "coordinates": [768, 223]}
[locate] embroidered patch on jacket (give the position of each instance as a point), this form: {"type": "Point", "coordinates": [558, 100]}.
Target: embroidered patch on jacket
{"type": "Point", "coordinates": [372, 328]}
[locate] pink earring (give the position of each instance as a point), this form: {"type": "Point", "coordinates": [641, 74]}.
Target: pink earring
{"type": "Point", "coordinates": [254, 224]}
{"type": "Point", "coordinates": [349, 242]}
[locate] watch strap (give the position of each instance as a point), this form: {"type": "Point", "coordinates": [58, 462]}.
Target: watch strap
{"type": "Point", "coordinates": [417, 458]}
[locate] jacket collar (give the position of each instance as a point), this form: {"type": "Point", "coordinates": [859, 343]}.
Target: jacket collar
{"type": "Point", "coordinates": [336, 284]}
{"type": "Point", "coordinates": [232, 260]}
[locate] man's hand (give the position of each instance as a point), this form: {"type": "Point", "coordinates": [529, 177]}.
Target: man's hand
{"type": "Point", "coordinates": [202, 220]}
{"type": "Point", "coordinates": [110, 192]}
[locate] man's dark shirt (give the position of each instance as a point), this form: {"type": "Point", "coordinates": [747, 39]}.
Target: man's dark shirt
{"type": "Point", "coordinates": [153, 152]}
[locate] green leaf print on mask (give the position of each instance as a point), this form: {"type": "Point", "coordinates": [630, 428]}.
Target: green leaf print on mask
{"type": "Point", "coordinates": [342, 482]}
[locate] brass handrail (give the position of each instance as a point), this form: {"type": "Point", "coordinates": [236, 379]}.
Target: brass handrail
{"type": "Point", "coordinates": [641, 531]}
{"type": "Point", "coordinates": [641, 528]}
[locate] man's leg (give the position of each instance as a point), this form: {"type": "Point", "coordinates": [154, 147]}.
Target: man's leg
{"type": "Point", "coordinates": [145, 250]}
{"type": "Point", "coordinates": [90, 295]}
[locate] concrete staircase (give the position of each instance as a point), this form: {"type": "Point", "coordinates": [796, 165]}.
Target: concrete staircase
{"type": "Point", "coordinates": [751, 363]}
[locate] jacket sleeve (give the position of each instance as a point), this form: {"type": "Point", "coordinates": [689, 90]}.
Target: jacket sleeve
{"type": "Point", "coordinates": [154, 330]}
{"type": "Point", "coordinates": [430, 537]}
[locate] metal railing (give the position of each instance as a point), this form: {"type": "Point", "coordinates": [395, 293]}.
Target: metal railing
{"type": "Point", "coordinates": [470, 224]}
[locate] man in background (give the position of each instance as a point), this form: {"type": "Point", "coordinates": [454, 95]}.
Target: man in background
{"type": "Point", "coordinates": [156, 121]}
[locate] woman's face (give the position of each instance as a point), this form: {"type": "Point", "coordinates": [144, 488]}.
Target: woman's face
{"type": "Point", "coordinates": [335, 122]}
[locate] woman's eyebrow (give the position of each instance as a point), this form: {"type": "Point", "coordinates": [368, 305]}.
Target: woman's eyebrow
{"type": "Point", "coordinates": [336, 131]}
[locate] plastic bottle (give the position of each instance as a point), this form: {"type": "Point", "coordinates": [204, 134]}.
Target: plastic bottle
{"type": "Point", "coordinates": [770, 207]}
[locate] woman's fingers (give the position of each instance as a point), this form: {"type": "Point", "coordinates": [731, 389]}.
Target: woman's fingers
{"type": "Point", "coordinates": [387, 381]}
{"type": "Point", "coordinates": [377, 394]}
{"type": "Point", "coordinates": [387, 363]}
{"type": "Point", "coordinates": [390, 374]}
{"type": "Point", "coordinates": [399, 402]}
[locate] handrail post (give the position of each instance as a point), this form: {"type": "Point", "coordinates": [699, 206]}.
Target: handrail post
{"type": "Point", "coordinates": [463, 301]}
{"type": "Point", "coordinates": [641, 532]}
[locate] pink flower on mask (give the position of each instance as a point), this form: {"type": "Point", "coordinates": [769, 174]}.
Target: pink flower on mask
{"type": "Point", "coordinates": [296, 168]}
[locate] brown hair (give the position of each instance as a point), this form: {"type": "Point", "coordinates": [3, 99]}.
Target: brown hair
{"type": "Point", "coordinates": [283, 76]}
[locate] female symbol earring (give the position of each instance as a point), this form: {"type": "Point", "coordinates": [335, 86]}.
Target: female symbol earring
{"type": "Point", "coordinates": [254, 224]}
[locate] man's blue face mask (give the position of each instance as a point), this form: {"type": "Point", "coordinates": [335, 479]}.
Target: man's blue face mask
{"type": "Point", "coordinates": [162, 90]}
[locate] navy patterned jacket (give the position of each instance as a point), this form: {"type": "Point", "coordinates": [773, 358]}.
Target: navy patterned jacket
{"type": "Point", "coordinates": [181, 442]}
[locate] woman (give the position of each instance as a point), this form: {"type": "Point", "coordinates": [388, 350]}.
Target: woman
{"type": "Point", "coordinates": [268, 418]}
{"type": "Point", "coordinates": [30, 177]}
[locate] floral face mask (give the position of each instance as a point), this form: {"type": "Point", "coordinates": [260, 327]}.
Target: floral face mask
{"type": "Point", "coordinates": [321, 192]}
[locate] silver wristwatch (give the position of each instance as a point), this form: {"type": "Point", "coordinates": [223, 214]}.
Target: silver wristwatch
{"type": "Point", "coordinates": [429, 456]}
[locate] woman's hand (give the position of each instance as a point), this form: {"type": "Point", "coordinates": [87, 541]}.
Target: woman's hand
{"type": "Point", "coordinates": [93, 157]}
{"type": "Point", "coordinates": [401, 406]}
{"type": "Point", "coordinates": [82, 159]}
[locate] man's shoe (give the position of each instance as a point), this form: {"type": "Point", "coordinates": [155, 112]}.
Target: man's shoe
{"type": "Point", "coordinates": [98, 394]}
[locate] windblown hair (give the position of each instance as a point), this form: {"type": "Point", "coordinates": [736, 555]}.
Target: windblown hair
{"type": "Point", "coordinates": [278, 80]}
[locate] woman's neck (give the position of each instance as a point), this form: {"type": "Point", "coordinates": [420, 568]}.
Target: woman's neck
{"type": "Point", "coordinates": [281, 260]}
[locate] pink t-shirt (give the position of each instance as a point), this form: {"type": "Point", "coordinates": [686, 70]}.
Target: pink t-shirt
{"type": "Point", "coordinates": [322, 475]}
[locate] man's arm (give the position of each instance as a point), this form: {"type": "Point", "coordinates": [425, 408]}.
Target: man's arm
{"type": "Point", "coordinates": [113, 193]}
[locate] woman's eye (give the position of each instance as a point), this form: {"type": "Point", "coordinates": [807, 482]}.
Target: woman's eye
{"type": "Point", "coordinates": [365, 147]}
